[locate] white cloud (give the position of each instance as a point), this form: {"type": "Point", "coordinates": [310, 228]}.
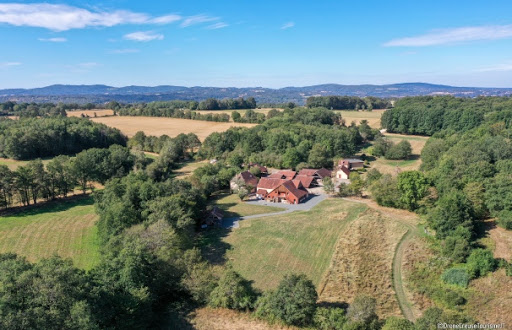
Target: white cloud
{"type": "Point", "coordinates": [165, 19]}
{"type": "Point", "coordinates": [9, 64]}
{"type": "Point", "coordinates": [64, 17]}
{"type": "Point", "coordinates": [88, 65]}
{"type": "Point", "coordinates": [198, 19]}
{"type": "Point", "coordinates": [456, 35]}
{"type": "Point", "coordinates": [216, 26]}
{"type": "Point", "coordinates": [143, 36]}
{"type": "Point", "coordinates": [287, 25]}
{"type": "Point", "coordinates": [124, 51]}
{"type": "Point", "coordinates": [53, 39]}
{"type": "Point", "coordinates": [497, 68]}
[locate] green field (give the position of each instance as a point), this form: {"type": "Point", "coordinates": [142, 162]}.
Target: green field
{"type": "Point", "coordinates": [233, 207]}
{"type": "Point", "coordinates": [265, 249]}
{"type": "Point", "coordinates": [13, 164]}
{"type": "Point", "coordinates": [64, 228]}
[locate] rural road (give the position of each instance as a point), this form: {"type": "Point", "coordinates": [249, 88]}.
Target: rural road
{"type": "Point", "coordinates": [397, 276]}
{"type": "Point", "coordinates": [313, 201]}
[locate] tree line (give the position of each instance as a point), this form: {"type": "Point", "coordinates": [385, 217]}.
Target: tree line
{"type": "Point", "coordinates": [348, 102]}
{"type": "Point", "coordinates": [31, 138]}
{"type": "Point", "coordinates": [426, 115]}
{"type": "Point", "coordinates": [59, 177]}
{"type": "Point", "coordinates": [11, 108]}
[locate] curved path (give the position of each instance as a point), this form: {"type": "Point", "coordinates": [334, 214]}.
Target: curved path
{"type": "Point", "coordinates": [397, 276]}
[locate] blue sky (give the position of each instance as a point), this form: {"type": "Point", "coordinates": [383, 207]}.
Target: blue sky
{"type": "Point", "coordinates": [255, 43]}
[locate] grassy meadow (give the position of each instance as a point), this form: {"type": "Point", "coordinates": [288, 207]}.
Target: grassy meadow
{"type": "Point", "coordinates": [65, 228]}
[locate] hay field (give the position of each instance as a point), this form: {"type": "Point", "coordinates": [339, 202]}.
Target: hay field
{"type": "Point", "coordinates": [264, 250]}
{"type": "Point", "coordinates": [158, 126]}
{"type": "Point", "coordinates": [373, 117]}
{"type": "Point", "coordinates": [90, 113]}
{"type": "Point", "coordinates": [66, 228]}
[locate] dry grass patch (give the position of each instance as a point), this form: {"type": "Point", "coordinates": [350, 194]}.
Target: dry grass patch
{"type": "Point", "coordinates": [491, 298]}
{"type": "Point", "coordinates": [158, 126]}
{"type": "Point", "coordinates": [225, 319]}
{"type": "Point", "coordinates": [501, 241]}
{"type": "Point", "coordinates": [362, 263]}
{"type": "Point", "coordinates": [415, 251]}
{"type": "Point", "coordinates": [64, 228]}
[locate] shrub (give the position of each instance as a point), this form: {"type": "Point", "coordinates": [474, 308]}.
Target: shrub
{"type": "Point", "coordinates": [508, 269]}
{"type": "Point", "coordinates": [293, 302]}
{"type": "Point", "coordinates": [363, 309]}
{"type": "Point", "coordinates": [505, 219]}
{"type": "Point", "coordinates": [480, 262]}
{"type": "Point", "coordinates": [456, 276]}
{"type": "Point", "coordinates": [330, 318]}
{"type": "Point", "coordinates": [233, 292]}
{"type": "Point", "coordinates": [397, 323]}
{"type": "Point", "coordinates": [401, 150]}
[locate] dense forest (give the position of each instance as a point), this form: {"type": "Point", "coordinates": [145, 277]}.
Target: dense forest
{"type": "Point", "coordinates": [348, 102]}
{"type": "Point", "coordinates": [41, 109]}
{"type": "Point", "coordinates": [31, 138]}
{"type": "Point", "coordinates": [426, 115]}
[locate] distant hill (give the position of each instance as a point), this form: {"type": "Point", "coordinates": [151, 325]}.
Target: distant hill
{"type": "Point", "coordinates": [131, 94]}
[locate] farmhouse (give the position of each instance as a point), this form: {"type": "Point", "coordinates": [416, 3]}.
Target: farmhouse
{"type": "Point", "coordinates": [351, 163]}
{"type": "Point", "coordinates": [266, 185]}
{"type": "Point", "coordinates": [287, 192]}
{"type": "Point", "coordinates": [246, 179]}
{"type": "Point", "coordinates": [343, 172]}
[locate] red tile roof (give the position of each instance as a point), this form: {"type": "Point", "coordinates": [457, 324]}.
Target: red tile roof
{"type": "Point", "coordinates": [249, 178]}
{"type": "Point", "coordinates": [305, 180]}
{"type": "Point", "coordinates": [312, 172]}
{"type": "Point", "coordinates": [298, 193]}
{"type": "Point", "coordinates": [344, 169]}
{"type": "Point", "coordinates": [269, 183]}
{"type": "Point", "coordinates": [323, 172]}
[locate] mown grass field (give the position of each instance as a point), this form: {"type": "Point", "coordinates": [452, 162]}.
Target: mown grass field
{"type": "Point", "coordinates": [65, 228]}
{"type": "Point", "coordinates": [158, 126]}
{"type": "Point", "coordinates": [265, 249]}
{"type": "Point", "coordinates": [233, 207]}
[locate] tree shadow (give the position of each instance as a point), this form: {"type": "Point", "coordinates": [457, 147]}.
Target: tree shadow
{"type": "Point", "coordinates": [212, 246]}
{"type": "Point", "coordinates": [328, 304]}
